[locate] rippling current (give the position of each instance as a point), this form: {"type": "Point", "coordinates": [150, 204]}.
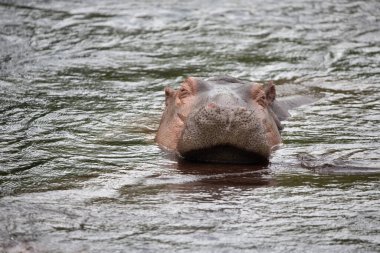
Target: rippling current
{"type": "Point", "coordinates": [81, 95]}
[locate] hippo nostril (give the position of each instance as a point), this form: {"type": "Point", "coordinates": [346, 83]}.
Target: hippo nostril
{"type": "Point", "coordinates": [211, 106]}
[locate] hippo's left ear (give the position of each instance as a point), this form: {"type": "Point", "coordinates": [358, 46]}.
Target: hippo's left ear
{"type": "Point", "coordinates": [169, 94]}
{"type": "Point", "coordinates": [270, 92]}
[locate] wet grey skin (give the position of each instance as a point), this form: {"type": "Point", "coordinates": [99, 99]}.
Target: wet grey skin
{"type": "Point", "coordinates": [225, 127]}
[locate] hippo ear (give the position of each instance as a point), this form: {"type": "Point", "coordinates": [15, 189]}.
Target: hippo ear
{"type": "Point", "coordinates": [169, 94]}
{"type": "Point", "coordinates": [270, 92]}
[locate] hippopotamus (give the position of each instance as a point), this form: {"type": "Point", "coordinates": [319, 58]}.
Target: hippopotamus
{"type": "Point", "coordinates": [223, 120]}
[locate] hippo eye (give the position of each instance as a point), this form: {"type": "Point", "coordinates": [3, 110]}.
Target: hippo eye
{"type": "Point", "coordinates": [262, 101]}
{"type": "Point", "coordinates": [183, 93]}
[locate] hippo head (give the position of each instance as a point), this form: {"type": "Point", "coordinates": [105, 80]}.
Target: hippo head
{"type": "Point", "coordinates": [220, 119]}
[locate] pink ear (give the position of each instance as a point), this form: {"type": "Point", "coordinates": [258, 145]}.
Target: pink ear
{"type": "Point", "coordinates": [270, 92]}
{"type": "Point", "coordinates": [169, 93]}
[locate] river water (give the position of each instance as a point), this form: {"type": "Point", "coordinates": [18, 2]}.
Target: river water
{"type": "Point", "coordinates": [81, 95]}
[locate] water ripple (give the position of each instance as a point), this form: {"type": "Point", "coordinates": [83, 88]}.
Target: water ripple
{"type": "Point", "coordinates": [81, 94]}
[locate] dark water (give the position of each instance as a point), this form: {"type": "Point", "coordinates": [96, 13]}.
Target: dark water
{"type": "Point", "coordinates": [81, 93]}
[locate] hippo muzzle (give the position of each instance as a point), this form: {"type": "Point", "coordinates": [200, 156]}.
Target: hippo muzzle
{"type": "Point", "coordinates": [224, 129]}
{"type": "Point", "coordinates": [220, 120]}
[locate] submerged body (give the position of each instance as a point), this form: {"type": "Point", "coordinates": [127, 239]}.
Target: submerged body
{"type": "Point", "coordinates": [222, 119]}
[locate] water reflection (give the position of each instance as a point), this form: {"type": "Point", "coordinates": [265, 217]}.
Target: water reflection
{"type": "Point", "coordinates": [194, 179]}
{"type": "Point", "coordinates": [226, 175]}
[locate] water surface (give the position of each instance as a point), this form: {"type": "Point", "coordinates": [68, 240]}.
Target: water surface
{"type": "Point", "coordinates": [81, 94]}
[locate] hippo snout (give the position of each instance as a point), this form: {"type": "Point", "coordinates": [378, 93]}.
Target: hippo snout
{"type": "Point", "coordinates": [226, 99]}
{"type": "Point", "coordinates": [220, 119]}
{"type": "Point", "coordinates": [223, 118]}
{"type": "Point", "coordinates": [214, 126]}
{"type": "Point", "coordinates": [223, 109]}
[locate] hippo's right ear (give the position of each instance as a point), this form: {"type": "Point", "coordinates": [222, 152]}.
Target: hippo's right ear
{"type": "Point", "coordinates": [270, 92]}
{"type": "Point", "coordinates": [169, 94]}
